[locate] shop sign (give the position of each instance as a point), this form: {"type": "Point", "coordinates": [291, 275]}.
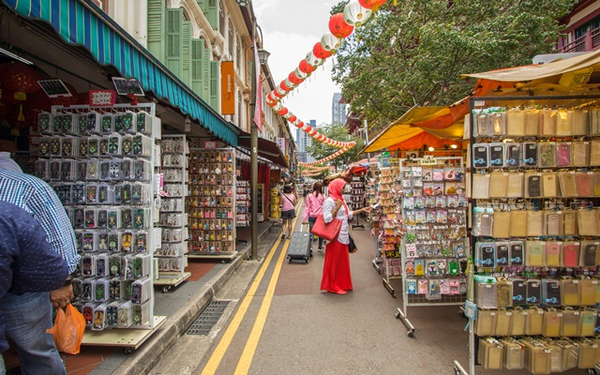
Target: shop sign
{"type": "Point", "coordinates": [210, 144]}
{"type": "Point", "coordinates": [428, 160]}
{"type": "Point", "coordinates": [227, 88]}
{"type": "Point", "coordinates": [102, 98]}
{"type": "Point", "coordinates": [281, 143]}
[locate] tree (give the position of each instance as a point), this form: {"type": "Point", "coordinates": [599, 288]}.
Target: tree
{"type": "Point", "coordinates": [413, 54]}
{"type": "Point", "coordinates": [319, 150]}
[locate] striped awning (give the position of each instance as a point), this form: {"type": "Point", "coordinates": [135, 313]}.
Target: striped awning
{"type": "Point", "coordinates": [80, 22]}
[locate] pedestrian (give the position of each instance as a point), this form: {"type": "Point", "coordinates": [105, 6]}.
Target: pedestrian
{"type": "Point", "coordinates": [288, 213]}
{"type": "Point", "coordinates": [29, 266]}
{"type": "Point", "coordinates": [337, 277]}
{"type": "Point", "coordinates": [28, 337]}
{"type": "Point", "coordinates": [313, 207]}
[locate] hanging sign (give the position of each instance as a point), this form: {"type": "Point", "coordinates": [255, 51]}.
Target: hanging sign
{"type": "Point", "coordinates": [102, 98]}
{"type": "Point", "coordinates": [210, 144]}
{"type": "Point", "coordinates": [227, 88]}
{"type": "Point", "coordinates": [428, 160]}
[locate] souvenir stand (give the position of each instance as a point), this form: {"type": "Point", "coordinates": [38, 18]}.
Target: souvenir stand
{"type": "Point", "coordinates": [357, 197]}
{"type": "Point", "coordinates": [372, 187]}
{"type": "Point", "coordinates": [535, 168]}
{"type": "Point", "coordinates": [242, 203]}
{"type": "Point", "coordinates": [433, 249]}
{"type": "Point", "coordinates": [101, 163]}
{"type": "Point", "coordinates": [171, 256]}
{"type": "Point", "coordinates": [211, 203]}
{"type": "Point", "coordinates": [390, 227]}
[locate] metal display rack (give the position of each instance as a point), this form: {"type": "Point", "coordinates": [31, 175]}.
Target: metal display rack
{"type": "Point", "coordinates": [434, 208]}
{"type": "Point", "coordinates": [535, 167]}
{"type": "Point", "coordinates": [170, 255]}
{"type": "Point", "coordinates": [211, 204]}
{"type": "Point", "coordinates": [101, 162]}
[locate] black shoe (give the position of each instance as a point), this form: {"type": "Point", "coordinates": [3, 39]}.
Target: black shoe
{"type": "Point", "coordinates": [283, 236]}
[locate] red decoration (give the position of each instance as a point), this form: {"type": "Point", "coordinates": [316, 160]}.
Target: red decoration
{"type": "Point", "coordinates": [277, 94]}
{"type": "Point", "coordinates": [284, 86]}
{"type": "Point", "coordinates": [295, 79]}
{"type": "Point", "coordinates": [339, 27]}
{"type": "Point", "coordinates": [371, 4]}
{"type": "Point", "coordinates": [305, 67]}
{"type": "Point", "coordinates": [271, 98]}
{"type": "Point", "coordinates": [293, 118]}
{"type": "Point", "coordinates": [283, 111]}
{"type": "Point", "coordinates": [320, 52]}
{"type": "Point", "coordinates": [19, 77]}
{"type": "Point", "coordinates": [307, 128]}
{"type": "Point", "coordinates": [300, 125]}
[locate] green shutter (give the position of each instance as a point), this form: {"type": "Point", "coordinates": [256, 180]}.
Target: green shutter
{"type": "Point", "coordinates": [215, 74]}
{"type": "Point", "coordinates": [205, 74]}
{"type": "Point", "coordinates": [213, 14]}
{"type": "Point", "coordinates": [197, 49]}
{"type": "Point", "coordinates": [156, 16]}
{"type": "Point", "coordinates": [174, 47]}
{"type": "Point", "coordinates": [186, 58]}
{"type": "Point", "coordinates": [202, 4]}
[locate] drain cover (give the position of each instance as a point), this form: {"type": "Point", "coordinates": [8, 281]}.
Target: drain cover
{"type": "Point", "coordinates": [208, 318]}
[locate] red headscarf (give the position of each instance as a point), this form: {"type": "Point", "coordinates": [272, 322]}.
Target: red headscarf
{"type": "Point", "coordinates": [335, 188]}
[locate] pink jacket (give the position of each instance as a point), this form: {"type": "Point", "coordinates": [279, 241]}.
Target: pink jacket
{"type": "Point", "coordinates": [313, 205]}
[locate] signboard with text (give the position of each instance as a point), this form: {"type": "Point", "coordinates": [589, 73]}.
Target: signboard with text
{"type": "Point", "coordinates": [102, 98]}
{"type": "Point", "coordinates": [227, 88]}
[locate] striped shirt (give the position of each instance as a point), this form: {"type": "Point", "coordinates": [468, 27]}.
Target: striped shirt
{"type": "Point", "coordinates": [37, 198]}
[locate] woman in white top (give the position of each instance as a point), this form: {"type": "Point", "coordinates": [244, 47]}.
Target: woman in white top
{"type": "Point", "coordinates": [336, 269]}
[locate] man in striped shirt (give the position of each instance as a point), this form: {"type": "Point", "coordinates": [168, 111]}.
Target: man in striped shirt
{"type": "Point", "coordinates": [39, 200]}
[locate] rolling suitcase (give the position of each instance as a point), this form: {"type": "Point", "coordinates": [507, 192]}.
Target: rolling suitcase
{"type": "Point", "coordinates": [299, 248]}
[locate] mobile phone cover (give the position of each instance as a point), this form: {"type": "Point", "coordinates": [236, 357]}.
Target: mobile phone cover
{"type": "Point", "coordinates": [588, 254]}
{"type": "Point", "coordinates": [530, 154]}
{"type": "Point", "coordinates": [498, 184]}
{"type": "Point", "coordinates": [534, 186]}
{"type": "Point", "coordinates": [535, 223]}
{"type": "Point", "coordinates": [553, 224]}
{"type": "Point", "coordinates": [516, 119]}
{"type": "Point", "coordinates": [570, 254]}
{"type": "Point", "coordinates": [480, 155]}
{"type": "Point", "coordinates": [496, 151]}
{"type": "Point", "coordinates": [534, 253]}
{"type": "Point", "coordinates": [518, 223]}
{"type": "Point", "coordinates": [516, 253]}
{"type": "Point", "coordinates": [501, 225]}
{"type": "Point", "coordinates": [553, 250]}
{"type": "Point", "coordinates": [580, 154]}
{"type": "Point", "coordinates": [595, 153]}
{"type": "Point", "coordinates": [550, 185]}
{"type": "Point", "coordinates": [580, 123]}
{"type": "Point", "coordinates": [548, 122]}
{"type": "Point", "coordinates": [513, 155]}
{"type": "Point", "coordinates": [563, 154]}
{"type": "Point", "coordinates": [564, 121]}
{"type": "Point", "coordinates": [567, 184]}
{"type": "Point", "coordinates": [515, 185]}
{"type": "Point", "coordinates": [519, 292]}
{"type": "Point", "coordinates": [502, 254]}
{"type": "Point", "coordinates": [583, 182]}
{"type": "Point", "coordinates": [547, 155]}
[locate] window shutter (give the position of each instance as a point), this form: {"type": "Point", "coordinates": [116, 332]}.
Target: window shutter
{"type": "Point", "coordinates": [197, 49]}
{"type": "Point", "coordinates": [186, 58]}
{"type": "Point", "coordinates": [202, 4]}
{"type": "Point", "coordinates": [205, 74]}
{"type": "Point", "coordinates": [215, 74]}
{"type": "Point", "coordinates": [156, 16]}
{"type": "Point", "coordinates": [213, 14]}
{"type": "Point", "coordinates": [174, 47]}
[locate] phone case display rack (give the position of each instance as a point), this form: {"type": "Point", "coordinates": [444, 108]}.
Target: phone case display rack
{"type": "Point", "coordinates": [101, 163]}
{"type": "Point", "coordinates": [357, 198]}
{"type": "Point", "coordinates": [391, 227]}
{"type": "Point", "coordinates": [211, 203]}
{"type": "Point", "coordinates": [171, 255]}
{"type": "Point", "coordinates": [434, 249]}
{"type": "Point", "coordinates": [242, 203]}
{"type": "Point", "coordinates": [536, 230]}
{"type": "Point", "coordinates": [372, 198]}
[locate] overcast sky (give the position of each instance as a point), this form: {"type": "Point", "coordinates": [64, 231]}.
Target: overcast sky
{"type": "Point", "coordinates": [290, 29]}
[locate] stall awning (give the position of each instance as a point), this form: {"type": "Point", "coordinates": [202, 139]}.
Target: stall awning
{"type": "Point", "coordinates": [266, 149]}
{"type": "Point", "coordinates": [81, 23]}
{"type": "Point", "coordinates": [541, 71]}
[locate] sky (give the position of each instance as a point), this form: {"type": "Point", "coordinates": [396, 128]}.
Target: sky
{"type": "Point", "coordinates": [290, 29]}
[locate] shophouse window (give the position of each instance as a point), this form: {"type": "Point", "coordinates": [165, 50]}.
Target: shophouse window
{"type": "Point", "coordinates": [221, 18]}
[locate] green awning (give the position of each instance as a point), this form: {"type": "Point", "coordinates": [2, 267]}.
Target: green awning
{"type": "Point", "coordinates": [80, 22]}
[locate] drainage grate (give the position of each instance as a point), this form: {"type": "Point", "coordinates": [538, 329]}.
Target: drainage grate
{"type": "Point", "coordinates": [208, 318]}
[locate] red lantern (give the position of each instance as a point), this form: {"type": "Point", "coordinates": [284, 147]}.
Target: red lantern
{"type": "Point", "coordinates": [313, 132]}
{"type": "Point", "coordinates": [295, 79]}
{"type": "Point", "coordinates": [371, 4]}
{"type": "Point", "coordinates": [284, 86]}
{"type": "Point", "coordinates": [307, 128]}
{"type": "Point", "coordinates": [292, 118]}
{"type": "Point", "coordinates": [305, 67]}
{"type": "Point", "coordinates": [19, 77]}
{"type": "Point", "coordinates": [283, 111]}
{"type": "Point", "coordinates": [320, 52]}
{"type": "Point", "coordinates": [339, 27]}
{"type": "Point", "coordinates": [277, 94]}
{"type": "Point", "coordinates": [300, 125]}
{"type": "Point", "coordinates": [271, 97]}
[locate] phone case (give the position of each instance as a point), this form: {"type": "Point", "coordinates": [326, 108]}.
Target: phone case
{"type": "Point", "coordinates": [551, 292]}
{"type": "Point", "coordinates": [563, 154]}
{"type": "Point", "coordinates": [564, 122]}
{"type": "Point", "coordinates": [519, 292]}
{"type": "Point", "coordinates": [580, 154]}
{"type": "Point", "coordinates": [515, 185]}
{"type": "Point", "coordinates": [596, 183]}
{"type": "Point", "coordinates": [567, 184]}
{"type": "Point", "coordinates": [535, 223]}
{"type": "Point", "coordinates": [530, 154]}
{"type": "Point", "coordinates": [587, 291]}
{"type": "Point", "coordinates": [552, 323]}
{"type": "Point", "coordinates": [516, 253]}
{"type": "Point", "coordinates": [553, 251]}
{"type": "Point", "coordinates": [498, 184]}
{"type": "Point", "coordinates": [486, 254]}
{"type": "Point", "coordinates": [513, 155]}
{"type": "Point", "coordinates": [569, 223]}
{"type": "Point", "coordinates": [553, 224]}
{"type": "Point", "coordinates": [518, 223]}
{"type": "Point", "coordinates": [502, 254]}
{"type": "Point", "coordinates": [550, 185]}
{"type": "Point", "coordinates": [548, 122]}
{"type": "Point", "coordinates": [595, 153]}
{"type": "Point", "coordinates": [496, 151]}
{"type": "Point", "coordinates": [588, 254]}
{"type": "Point", "coordinates": [480, 155]}
{"type": "Point", "coordinates": [483, 224]}
{"type": "Point", "coordinates": [570, 323]}
{"type": "Point", "coordinates": [570, 254]}
{"type": "Point", "coordinates": [515, 122]}
{"type": "Point", "coordinates": [569, 289]}
{"type": "Point", "coordinates": [532, 121]}
{"type": "Point", "coordinates": [481, 186]}
{"type": "Point", "coordinates": [501, 225]}
{"type": "Point", "coordinates": [534, 292]}
{"type": "Point", "coordinates": [547, 155]}
{"type": "Point", "coordinates": [534, 186]}
{"type": "Point", "coordinates": [583, 182]}
{"type": "Point", "coordinates": [587, 222]}
{"type": "Point", "coordinates": [580, 123]}
{"type": "Point", "coordinates": [534, 253]}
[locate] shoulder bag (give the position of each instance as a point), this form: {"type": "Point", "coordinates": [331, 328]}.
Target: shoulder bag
{"type": "Point", "coordinates": [327, 231]}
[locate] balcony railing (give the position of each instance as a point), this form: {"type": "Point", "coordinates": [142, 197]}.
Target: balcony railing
{"type": "Point", "coordinates": [585, 43]}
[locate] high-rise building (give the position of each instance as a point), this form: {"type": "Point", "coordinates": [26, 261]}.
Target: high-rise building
{"type": "Point", "coordinates": [338, 109]}
{"type": "Point", "coordinates": [303, 140]}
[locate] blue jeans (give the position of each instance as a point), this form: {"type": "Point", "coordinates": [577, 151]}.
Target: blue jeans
{"type": "Point", "coordinates": [27, 318]}
{"type": "Point", "coordinates": [311, 223]}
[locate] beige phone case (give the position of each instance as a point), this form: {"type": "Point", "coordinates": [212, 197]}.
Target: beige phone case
{"type": "Point", "coordinates": [550, 185]}
{"type": "Point", "coordinates": [501, 227]}
{"type": "Point", "coordinates": [514, 185]}
{"type": "Point", "coordinates": [481, 186]}
{"type": "Point", "coordinates": [498, 184]}
{"type": "Point", "coordinates": [580, 154]}
{"type": "Point", "coordinates": [515, 122]}
{"type": "Point", "coordinates": [535, 223]}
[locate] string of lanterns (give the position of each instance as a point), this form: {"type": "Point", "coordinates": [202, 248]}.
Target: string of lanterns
{"type": "Point", "coordinates": [341, 25]}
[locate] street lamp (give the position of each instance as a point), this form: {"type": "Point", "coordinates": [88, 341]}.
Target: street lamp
{"type": "Point", "coordinates": [262, 59]}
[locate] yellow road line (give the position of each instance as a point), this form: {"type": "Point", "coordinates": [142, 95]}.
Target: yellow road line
{"type": "Point", "coordinates": [215, 359]}
{"type": "Point", "coordinates": [247, 356]}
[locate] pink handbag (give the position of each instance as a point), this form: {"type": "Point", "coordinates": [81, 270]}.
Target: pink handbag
{"type": "Point", "coordinates": [327, 231]}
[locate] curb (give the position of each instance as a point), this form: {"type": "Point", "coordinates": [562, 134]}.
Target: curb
{"type": "Point", "coordinates": [145, 357]}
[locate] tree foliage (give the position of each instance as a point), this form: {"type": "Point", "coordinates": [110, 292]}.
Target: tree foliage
{"type": "Point", "coordinates": [413, 54]}
{"type": "Point", "coordinates": [338, 132]}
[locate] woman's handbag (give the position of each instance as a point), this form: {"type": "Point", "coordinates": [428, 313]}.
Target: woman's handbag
{"type": "Point", "coordinates": [351, 245]}
{"type": "Point", "coordinates": [327, 231]}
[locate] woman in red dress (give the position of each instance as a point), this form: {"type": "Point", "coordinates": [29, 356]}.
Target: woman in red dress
{"type": "Point", "coordinates": [337, 277]}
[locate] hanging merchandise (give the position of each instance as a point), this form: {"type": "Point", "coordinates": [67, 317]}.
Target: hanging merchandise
{"type": "Point", "coordinates": [242, 204]}
{"type": "Point", "coordinates": [533, 293]}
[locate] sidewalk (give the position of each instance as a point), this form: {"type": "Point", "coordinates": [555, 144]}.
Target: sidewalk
{"type": "Point", "coordinates": [180, 305]}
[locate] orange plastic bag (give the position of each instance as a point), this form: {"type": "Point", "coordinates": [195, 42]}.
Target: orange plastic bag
{"type": "Point", "coordinates": [68, 330]}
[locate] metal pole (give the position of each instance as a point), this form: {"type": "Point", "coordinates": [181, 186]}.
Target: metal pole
{"type": "Point", "coordinates": [254, 158]}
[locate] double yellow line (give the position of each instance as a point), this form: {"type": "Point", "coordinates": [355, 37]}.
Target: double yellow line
{"type": "Point", "coordinates": [247, 356]}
